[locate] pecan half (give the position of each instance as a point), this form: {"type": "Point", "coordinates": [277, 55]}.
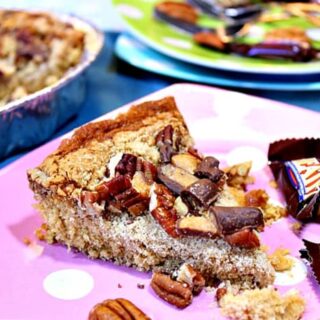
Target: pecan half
{"type": "Point", "coordinates": [162, 209]}
{"type": "Point", "coordinates": [117, 309]}
{"type": "Point", "coordinates": [164, 141]}
{"type": "Point", "coordinates": [245, 239]}
{"type": "Point", "coordinates": [113, 187]}
{"type": "Point", "coordinates": [176, 293]}
{"type": "Point", "coordinates": [177, 10]}
{"type": "Point", "coordinates": [174, 178]}
{"type": "Point", "coordinates": [192, 277]}
{"type": "Point", "coordinates": [127, 165]}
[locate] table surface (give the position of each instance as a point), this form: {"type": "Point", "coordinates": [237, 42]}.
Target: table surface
{"type": "Point", "coordinates": [113, 83]}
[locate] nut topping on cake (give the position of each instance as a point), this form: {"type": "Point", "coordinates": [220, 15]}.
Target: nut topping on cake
{"type": "Point", "coordinates": [127, 165]}
{"type": "Point", "coordinates": [120, 309]}
{"type": "Point", "coordinates": [164, 141]}
{"type": "Point", "coordinates": [197, 226]}
{"type": "Point", "coordinates": [176, 293]}
{"type": "Point", "coordinates": [245, 238]}
{"type": "Point", "coordinates": [174, 178]}
{"type": "Point", "coordinates": [209, 168]}
{"type": "Point", "coordinates": [233, 219]}
{"type": "Point", "coordinates": [162, 209]}
{"type": "Point", "coordinates": [113, 187]}
{"type": "Point", "coordinates": [185, 161]}
{"type": "Point", "coordinates": [200, 194]}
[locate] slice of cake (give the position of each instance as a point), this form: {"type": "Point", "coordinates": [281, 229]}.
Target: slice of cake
{"type": "Point", "coordinates": [133, 190]}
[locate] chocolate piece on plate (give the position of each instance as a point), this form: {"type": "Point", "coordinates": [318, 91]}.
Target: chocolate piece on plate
{"type": "Point", "coordinates": [233, 219]}
{"type": "Point", "coordinates": [312, 254]}
{"type": "Point", "coordinates": [295, 164]}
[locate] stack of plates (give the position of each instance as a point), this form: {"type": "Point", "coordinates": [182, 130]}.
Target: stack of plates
{"type": "Point", "coordinates": [158, 48]}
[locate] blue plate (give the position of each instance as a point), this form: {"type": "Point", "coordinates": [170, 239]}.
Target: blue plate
{"type": "Point", "coordinates": [137, 54]}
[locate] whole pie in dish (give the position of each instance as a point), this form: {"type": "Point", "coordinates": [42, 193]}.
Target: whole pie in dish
{"type": "Point", "coordinates": [36, 50]}
{"type": "Point", "coordinates": [135, 191]}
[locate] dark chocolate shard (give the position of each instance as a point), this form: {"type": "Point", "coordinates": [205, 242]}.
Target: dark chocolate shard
{"type": "Point", "coordinates": [201, 194]}
{"type": "Point", "coordinates": [233, 219]}
{"type": "Point", "coordinates": [209, 168]}
{"type": "Point", "coordinates": [127, 165]}
{"type": "Point", "coordinates": [274, 50]}
{"type": "Point", "coordinates": [312, 254]}
{"type": "Point", "coordinates": [174, 178]}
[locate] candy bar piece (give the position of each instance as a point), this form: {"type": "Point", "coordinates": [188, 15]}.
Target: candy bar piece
{"type": "Point", "coordinates": [174, 178]}
{"type": "Point", "coordinates": [201, 194]}
{"type": "Point", "coordinates": [295, 164]}
{"type": "Point", "coordinates": [197, 226]}
{"type": "Point", "coordinates": [209, 168]}
{"type": "Point", "coordinates": [232, 219]}
{"type": "Point", "coordinates": [186, 161]}
{"type": "Point", "coordinates": [312, 254]}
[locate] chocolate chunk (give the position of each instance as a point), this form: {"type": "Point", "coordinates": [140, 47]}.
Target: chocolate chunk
{"type": "Point", "coordinates": [232, 219]}
{"type": "Point", "coordinates": [201, 194]}
{"type": "Point", "coordinates": [175, 179]}
{"type": "Point", "coordinates": [295, 164]}
{"type": "Point", "coordinates": [209, 168]}
{"type": "Point", "coordinates": [312, 254]}
{"type": "Point", "coordinates": [127, 165]}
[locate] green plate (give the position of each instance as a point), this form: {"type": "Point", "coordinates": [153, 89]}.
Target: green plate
{"type": "Point", "coordinates": [138, 16]}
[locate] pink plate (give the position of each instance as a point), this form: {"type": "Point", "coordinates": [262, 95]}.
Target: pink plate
{"type": "Point", "coordinates": [42, 281]}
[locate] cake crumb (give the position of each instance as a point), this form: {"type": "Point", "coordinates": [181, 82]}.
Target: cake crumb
{"type": "Point", "coordinates": [27, 241]}
{"type": "Point", "coordinates": [41, 232]}
{"type": "Point", "coordinates": [140, 286]}
{"type": "Point", "coordinates": [273, 184]}
{"type": "Point", "coordinates": [263, 304]}
{"type": "Point", "coordinates": [296, 227]}
{"type": "Point", "coordinates": [119, 285]}
{"type": "Point", "coordinates": [281, 260]}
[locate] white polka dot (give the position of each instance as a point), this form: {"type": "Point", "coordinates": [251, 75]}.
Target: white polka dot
{"type": "Point", "coordinates": [178, 43]}
{"type": "Point", "coordinates": [314, 34]}
{"type": "Point", "coordinates": [293, 276]}
{"type": "Point", "coordinates": [130, 11]}
{"type": "Point", "coordinates": [248, 153]}
{"type": "Point", "coordinates": [68, 284]}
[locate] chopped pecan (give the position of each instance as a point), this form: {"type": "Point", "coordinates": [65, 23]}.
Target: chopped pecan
{"type": "Point", "coordinates": [113, 187]}
{"type": "Point", "coordinates": [194, 152]}
{"type": "Point", "coordinates": [201, 194]}
{"type": "Point", "coordinates": [209, 168]}
{"type": "Point", "coordinates": [256, 198]}
{"type": "Point", "coordinates": [164, 141]}
{"type": "Point", "coordinates": [117, 309]}
{"type": "Point", "coordinates": [89, 197]}
{"type": "Point", "coordinates": [238, 175]}
{"type": "Point", "coordinates": [197, 226]}
{"type": "Point", "coordinates": [185, 161]}
{"type": "Point", "coordinates": [176, 293]}
{"type": "Point", "coordinates": [176, 179]}
{"type": "Point", "coordinates": [162, 209]}
{"type": "Point", "coordinates": [232, 219]}
{"type": "Point", "coordinates": [127, 165]}
{"type": "Point", "coordinates": [220, 293]}
{"type": "Point", "coordinates": [245, 239]}
{"type": "Point", "coordinates": [192, 277]}
{"type": "Point", "coordinates": [178, 10]}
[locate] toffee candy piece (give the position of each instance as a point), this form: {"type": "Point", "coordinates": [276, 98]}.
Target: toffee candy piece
{"type": "Point", "coordinates": [232, 219]}
{"type": "Point", "coordinates": [295, 164]}
{"type": "Point", "coordinates": [201, 193]}
{"type": "Point", "coordinates": [209, 168]}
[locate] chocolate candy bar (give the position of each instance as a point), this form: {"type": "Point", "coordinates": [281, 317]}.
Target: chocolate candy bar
{"type": "Point", "coordinates": [232, 219]}
{"type": "Point", "coordinates": [312, 254]}
{"type": "Point", "coordinates": [295, 164]}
